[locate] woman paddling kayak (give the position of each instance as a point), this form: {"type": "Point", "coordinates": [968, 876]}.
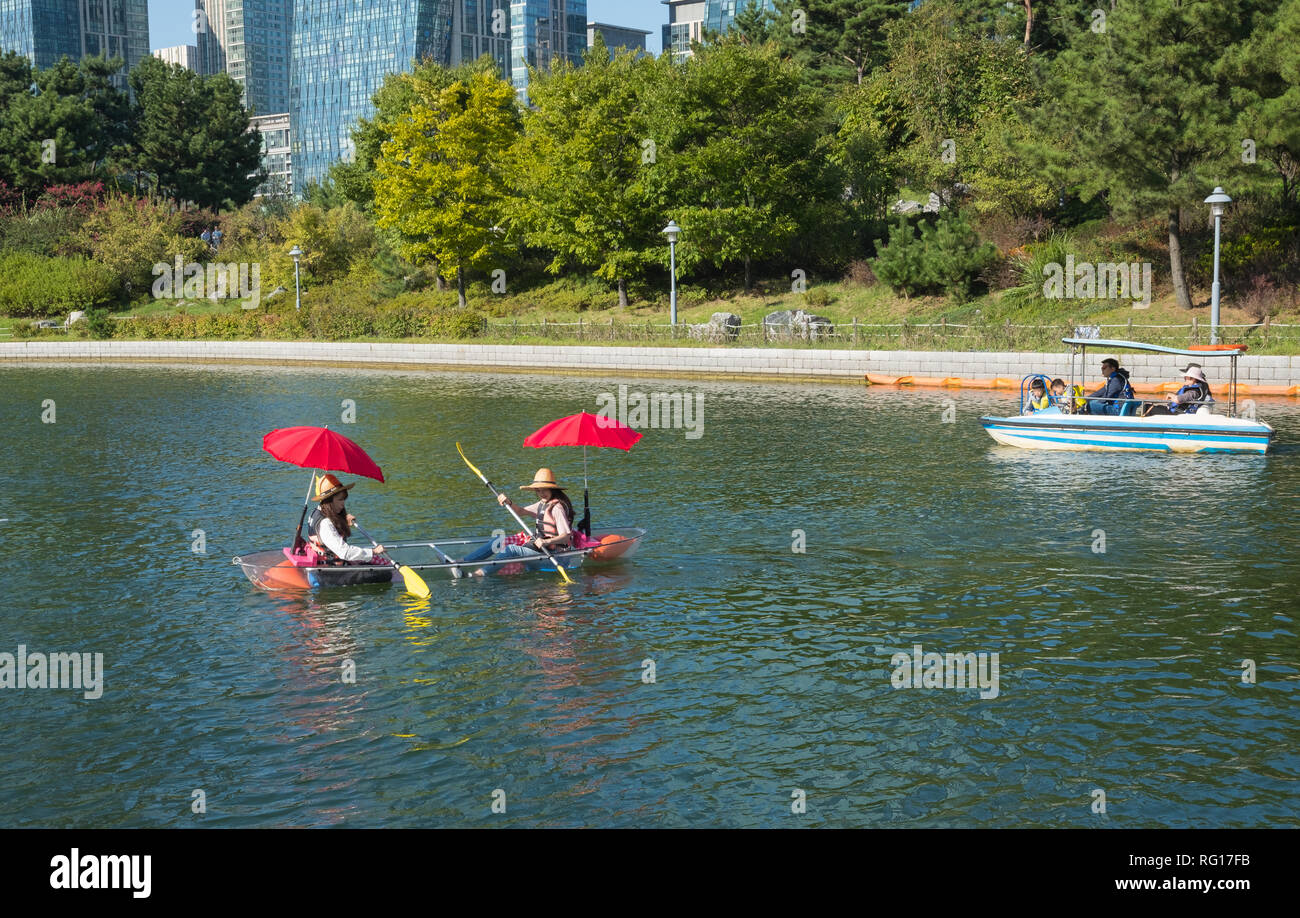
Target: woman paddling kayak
{"type": "Point", "coordinates": [554, 515]}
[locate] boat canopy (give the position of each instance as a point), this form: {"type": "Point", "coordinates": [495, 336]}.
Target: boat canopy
{"type": "Point", "coordinates": [1109, 345]}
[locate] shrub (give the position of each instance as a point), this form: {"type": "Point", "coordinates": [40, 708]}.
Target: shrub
{"type": "Point", "coordinates": [818, 297]}
{"type": "Point", "coordinates": [900, 263]}
{"type": "Point", "coordinates": [860, 273]}
{"type": "Point", "coordinates": [36, 286]}
{"type": "Point", "coordinates": [98, 324]}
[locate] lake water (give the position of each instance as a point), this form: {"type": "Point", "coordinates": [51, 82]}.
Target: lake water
{"type": "Point", "coordinates": [1120, 670]}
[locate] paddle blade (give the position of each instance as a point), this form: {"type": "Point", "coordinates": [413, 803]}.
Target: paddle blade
{"type": "Point", "coordinates": [415, 584]}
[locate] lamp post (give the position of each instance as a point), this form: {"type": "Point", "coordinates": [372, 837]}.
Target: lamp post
{"type": "Point", "coordinates": [671, 231]}
{"type": "Point", "coordinates": [297, 287]}
{"type": "Point", "coordinates": [1216, 202]}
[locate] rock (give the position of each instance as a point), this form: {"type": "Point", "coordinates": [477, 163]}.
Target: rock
{"type": "Point", "coordinates": [933, 205]}
{"type": "Point", "coordinates": [274, 293]}
{"type": "Point", "coordinates": [727, 323]}
{"type": "Point", "coordinates": [905, 207]}
{"type": "Point", "coordinates": [797, 324]}
{"type": "Point", "coordinates": [76, 316]}
{"type": "Point", "coordinates": [721, 327]}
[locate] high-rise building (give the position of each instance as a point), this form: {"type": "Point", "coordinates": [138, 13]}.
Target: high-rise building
{"type": "Point", "coordinates": [542, 32]}
{"type": "Point", "coordinates": [481, 27]}
{"type": "Point", "coordinates": [277, 160]}
{"type": "Point", "coordinates": [46, 30]}
{"type": "Point", "coordinates": [185, 55]}
{"type": "Point", "coordinates": [342, 50]}
{"type": "Point", "coordinates": [250, 41]}
{"type": "Point", "coordinates": [722, 13]}
{"type": "Point", "coordinates": [617, 37]}
{"type": "Point", "coordinates": [685, 25]}
{"type": "Point", "coordinates": [690, 20]}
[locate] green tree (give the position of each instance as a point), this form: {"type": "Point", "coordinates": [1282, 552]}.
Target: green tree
{"type": "Point", "coordinates": [836, 41]}
{"type": "Point", "coordinates": [61, 125]}
{"type": "Point", "coordinates": [441, 179]}
{"type": "Point", "coordinates": [190, 138]}
{"type": "Point", "coordinates": [579, 170]}
{"type": "Point", "coordinates": [1265, 71]}
{"type": "Point", "coordinates": [742, 150]}
{"type": "Point", "coordinates": [1146, 110]}
{"type": "Point", "coordinates": [955, 101]}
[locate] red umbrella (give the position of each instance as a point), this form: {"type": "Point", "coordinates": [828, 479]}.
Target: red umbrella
{"type": "Point", "coordinates": [318, 448]}
{"type": "Point", "coordinates": [584, 430]}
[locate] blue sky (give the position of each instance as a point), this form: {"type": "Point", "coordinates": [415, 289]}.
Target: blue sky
{"type": "Point", "coordinates": [169, 20]}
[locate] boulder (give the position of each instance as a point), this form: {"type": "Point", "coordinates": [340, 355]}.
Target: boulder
{"type": "Point", "coordinates": [75, 316]}
{"type": "Point", "coordinates": [721, 327]}
{"type": "Point", "coordinates": [797, 324]}
{"type": "Point", "coordinates": [727, 323]}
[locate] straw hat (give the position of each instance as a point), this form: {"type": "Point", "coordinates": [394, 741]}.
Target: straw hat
{"type": "Point", "coordinates": [544, 478]}
{"type": "Point", "coordinates": [1194, 370]}
{"type": "Point", "coordinates": [327, 486]}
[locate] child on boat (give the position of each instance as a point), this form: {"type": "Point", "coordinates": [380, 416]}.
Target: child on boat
{"type": "Point", "coordinates": [1038, 399]}
{"type": "Point", "coordinates": [1059, 398]}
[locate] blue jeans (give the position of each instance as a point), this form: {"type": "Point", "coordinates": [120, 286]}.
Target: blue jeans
{"type": "Point", "coordinates": [1097, 406]}
{"type": "Point", "coordinates": [483, 552]}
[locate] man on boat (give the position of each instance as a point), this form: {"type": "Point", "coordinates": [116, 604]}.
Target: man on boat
{"type": "Point", "coordinates": [1110, 398]}
{"type": "Point", "coordinates": [330, 525]}
{"type": "Point", "coordinates": [1194, 393]}
{"type": "Point", "coordinates": [554, 515]}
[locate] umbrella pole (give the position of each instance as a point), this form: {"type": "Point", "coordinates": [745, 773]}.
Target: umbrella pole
{"type": "Point", "coordinates": [298, 540]}
{"type": "Point", "coordinates": [586, 507]}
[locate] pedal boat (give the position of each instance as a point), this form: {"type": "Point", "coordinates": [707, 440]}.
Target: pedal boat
{"type": "Point", "coordinates": [1202, 431]}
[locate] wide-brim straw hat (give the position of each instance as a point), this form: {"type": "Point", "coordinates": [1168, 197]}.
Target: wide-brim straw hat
{"type": "Point", "coordinates": [327, 486]}
{"type": "Point", "coordinates": [544, 478]}
{"type": "Point", "coordinates": [1194, 370]}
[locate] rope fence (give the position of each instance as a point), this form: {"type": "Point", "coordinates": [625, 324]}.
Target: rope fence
{"type": "Point", "coordinates": [887, 336]}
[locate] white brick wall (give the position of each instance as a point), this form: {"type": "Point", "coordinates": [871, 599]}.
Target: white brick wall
{"type": "Point", "coordinates": [832, 364]}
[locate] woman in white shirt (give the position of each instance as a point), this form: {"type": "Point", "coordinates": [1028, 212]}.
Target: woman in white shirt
{"type": "Point", "coordinates": [329, 527]}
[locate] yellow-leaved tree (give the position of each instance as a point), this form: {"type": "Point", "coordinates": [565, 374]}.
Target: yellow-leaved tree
{"type": "Point", "coordinates": [439, 178]}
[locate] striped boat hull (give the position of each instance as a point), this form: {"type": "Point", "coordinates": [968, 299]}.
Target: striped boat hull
{"type": "Point", "coordinates": [1177, 434]}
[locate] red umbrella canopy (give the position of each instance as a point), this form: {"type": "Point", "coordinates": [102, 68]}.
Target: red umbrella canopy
{"type": "Point", "coordinates": [584, 429]}
{"type": "Point", "coordinates": [320, 448]}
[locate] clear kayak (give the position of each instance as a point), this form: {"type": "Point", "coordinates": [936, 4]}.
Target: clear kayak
{"type": "Point", "coordinates": [277, 569]}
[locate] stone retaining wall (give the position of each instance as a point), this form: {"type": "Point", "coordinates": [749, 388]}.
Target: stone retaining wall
{"type": "Point", "coordinates": [718, 363]}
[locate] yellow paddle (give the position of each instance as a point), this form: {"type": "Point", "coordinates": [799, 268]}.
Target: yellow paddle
{"type": "Point", "coordinates": [415, 584]}
{"type": "Point", "coordinates": [528, 529]}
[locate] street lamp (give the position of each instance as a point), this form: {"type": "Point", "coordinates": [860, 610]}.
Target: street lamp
{"type": "Point", "coordinates": [671, 231]}
{"type": "Point", "coordinates": [297, 287]}
{"type": "Point", "coordinates": [1216, 202]}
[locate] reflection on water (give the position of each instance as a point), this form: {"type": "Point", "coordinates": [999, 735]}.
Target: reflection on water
{"type": "Point", "coordinates": [1120, 668]}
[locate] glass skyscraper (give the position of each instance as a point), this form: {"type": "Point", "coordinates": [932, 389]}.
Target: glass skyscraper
{"type": "Point", "coordinates": [342, 50]}
{"type": "Point", "coordinates": [250, 41]}
{"type": "Point", "coordinates": [46, 30]}
{"type": "Point", "coordinates": [544, 31]}
{"type": "Point", "coordinates": [721, 13]}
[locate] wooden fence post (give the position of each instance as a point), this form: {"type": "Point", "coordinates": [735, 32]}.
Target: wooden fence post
{"type": "Point", "coordinates": [1195, 332]}
{"type": "Point", "coordinates": [855, 331]}
{"type": "Point", "coordinates": [543, 328]}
